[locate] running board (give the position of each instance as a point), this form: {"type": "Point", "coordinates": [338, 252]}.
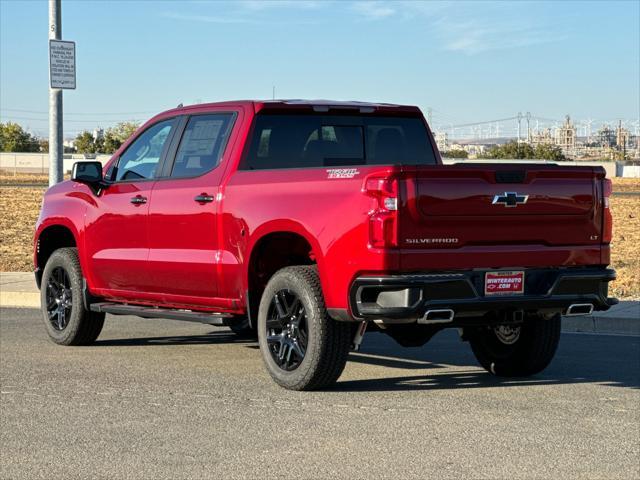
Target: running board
{"type": "Point", "coordinates": [217, 319]}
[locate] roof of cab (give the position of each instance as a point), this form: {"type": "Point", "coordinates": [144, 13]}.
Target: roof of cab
{"type": "Point", "coordinates": [295, 104]}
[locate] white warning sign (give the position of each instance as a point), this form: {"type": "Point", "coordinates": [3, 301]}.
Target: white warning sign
{"type": "Point", "coordinates": [62, 64]}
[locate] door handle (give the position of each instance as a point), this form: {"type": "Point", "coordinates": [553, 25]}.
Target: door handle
{"type": "Point", "coordinates": [203, 198]}
{"type": "Point", "coordinates": [138, 200]}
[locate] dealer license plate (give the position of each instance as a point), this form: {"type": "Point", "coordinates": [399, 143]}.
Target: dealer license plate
{"type": "Point", "coordinates": [504, 283]}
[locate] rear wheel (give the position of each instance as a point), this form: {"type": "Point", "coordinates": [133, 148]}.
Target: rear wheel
{"type": "Point", "coordinates": [517, 350]}
{"type": "Point", "coordinates": [65, 318]}
{"type": "Point", "coordinates": [302, 347]}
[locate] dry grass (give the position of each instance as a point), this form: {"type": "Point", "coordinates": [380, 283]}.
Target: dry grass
{"type": "Point", "coordinates": [19, 208]}
{"type": "Point", "coordinates": [626, 184]}
{"type": "Point", "coordinates": [24, 178]}
{"type": "Point", "coordinates": [625, 248]}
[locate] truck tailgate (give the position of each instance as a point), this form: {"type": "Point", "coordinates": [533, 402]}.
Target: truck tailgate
{"type": "Point", "coordinates": [455, 206]}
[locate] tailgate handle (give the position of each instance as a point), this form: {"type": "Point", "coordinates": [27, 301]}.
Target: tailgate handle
{"type": "Point", "coordinates": [511, 176]}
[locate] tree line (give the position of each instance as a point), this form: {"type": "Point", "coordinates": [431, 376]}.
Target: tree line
{"type": "Point", "coordinates": [108, 142]}
{"type": "Point", "coordinates": [14, 138]}
{"type": "Point", "coordinates": [515, 150]}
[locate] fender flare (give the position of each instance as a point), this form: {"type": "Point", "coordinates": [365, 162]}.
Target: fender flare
{"type": "Point", "coordinates": [284, 226]}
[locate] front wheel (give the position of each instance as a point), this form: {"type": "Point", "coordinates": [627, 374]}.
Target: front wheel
{"type": "Point", "coordinates": [65, 317]}
{"type": "Point", "coordinates": [517, 350]}
{"type": "Point", "coordinates": [302, 347]}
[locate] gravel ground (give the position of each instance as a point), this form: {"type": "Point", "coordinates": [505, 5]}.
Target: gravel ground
{"type": "Point", "coordinates": [160, 399]}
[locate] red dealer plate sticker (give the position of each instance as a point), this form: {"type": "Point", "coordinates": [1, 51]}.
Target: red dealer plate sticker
{"type": "Point", "coordinates": [504, 283]}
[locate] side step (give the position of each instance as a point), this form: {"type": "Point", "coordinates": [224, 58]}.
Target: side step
{"type": "Point", "coordinates": [217, 319]}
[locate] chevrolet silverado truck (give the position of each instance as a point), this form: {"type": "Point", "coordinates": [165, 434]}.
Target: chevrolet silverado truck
{"type": "Point", "coordinates": [306, 222]}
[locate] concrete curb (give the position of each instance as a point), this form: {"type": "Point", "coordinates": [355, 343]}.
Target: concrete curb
{"type": "Point", "coordinates": [20, 299]}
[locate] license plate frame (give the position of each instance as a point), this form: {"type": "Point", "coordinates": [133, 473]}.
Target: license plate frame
{"type": "Point", "coordinates": [501, 282]}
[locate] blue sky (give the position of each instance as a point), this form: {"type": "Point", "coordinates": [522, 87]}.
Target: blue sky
{"type": "Point", "coordinates": [468, 61]}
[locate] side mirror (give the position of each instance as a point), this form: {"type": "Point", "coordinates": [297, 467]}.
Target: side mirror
{"type": "Point", "coordinates": [87, 172]}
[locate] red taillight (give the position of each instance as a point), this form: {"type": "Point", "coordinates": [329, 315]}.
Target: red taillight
{"type": "Point", "coordinates": [383, 218]}
{"type": "Point", "coordinates": [607, 223]}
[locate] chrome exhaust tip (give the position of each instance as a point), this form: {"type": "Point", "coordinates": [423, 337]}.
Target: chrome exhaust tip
{"type": "Point", "coordinates": [579, 309]}
{"type": "Point", "coordinates": [444, 315]}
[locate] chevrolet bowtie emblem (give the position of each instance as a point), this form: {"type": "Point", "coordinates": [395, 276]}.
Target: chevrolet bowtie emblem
{"type": "Point", "coordinates": [510, 199]}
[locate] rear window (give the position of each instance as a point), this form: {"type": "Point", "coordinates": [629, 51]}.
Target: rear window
{"type": "Point", "coordinates": [307, 141]}
{"type": "Point", "coordinates": [202, 144]}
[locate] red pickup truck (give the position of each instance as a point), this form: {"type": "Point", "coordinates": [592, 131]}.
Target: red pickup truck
{"type": "Point", "coordinates": [304, 222]}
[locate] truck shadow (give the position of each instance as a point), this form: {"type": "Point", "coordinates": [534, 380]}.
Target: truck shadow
{"type": "Point", "coordinates": [446, 362]}
{"type": "Point", "coordinates": [211, 338]}
{"type": "Point", "coordinates": [601, 359]}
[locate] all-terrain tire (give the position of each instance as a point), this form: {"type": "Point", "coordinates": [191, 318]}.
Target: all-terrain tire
{"type": "Point", "coordinates": [82, 326]}
{"type": "Point", "coordinates": [328, 341]}
{"type": "Point", "coordinates": [531, 353]}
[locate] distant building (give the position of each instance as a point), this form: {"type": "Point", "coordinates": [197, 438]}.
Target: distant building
{"type": "Point", "coordinates": [566, 135]}
{"type": "Point", "coordinates": [606, 137]}
{"type": "Point", "coordinates": [98, 133]}
{"type": "Point", "coordinates": [543, 137]}
{"type": "Point", "coordinates": [622, 136]}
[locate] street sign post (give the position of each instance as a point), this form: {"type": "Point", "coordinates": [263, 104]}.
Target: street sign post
{"type": "Point", "coordinates": [62, 64]}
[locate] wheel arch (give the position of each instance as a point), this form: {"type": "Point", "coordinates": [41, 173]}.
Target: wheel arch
{"type": "Point", "coordinates": [49, 238]}
{"type": "Point", "coordinates": [275, 246]}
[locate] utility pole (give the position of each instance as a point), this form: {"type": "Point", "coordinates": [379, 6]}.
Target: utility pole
{"type": "Point", "coordinates": [528, 127]}
{"type": "Point", "coordinates": [519, 125]}
{"type": "Point", "coordinates": [55, 103]}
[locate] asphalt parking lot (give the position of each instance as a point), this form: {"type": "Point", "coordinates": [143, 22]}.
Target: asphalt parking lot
{"type": "Point", "coordinates": [164, 399]}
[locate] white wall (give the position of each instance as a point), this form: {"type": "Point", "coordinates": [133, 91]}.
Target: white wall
{"type": "Point", "coordinates": [630, 171]}
{"type": "Point", "coordinates": [611, 168]}
{"type": "Point", "coordinates": [39, 162]}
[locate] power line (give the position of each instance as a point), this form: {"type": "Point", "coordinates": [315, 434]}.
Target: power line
{"type": "Point", "coordinates": [482, 123]}
{"type": "Point", "coordinates": [78, 113]}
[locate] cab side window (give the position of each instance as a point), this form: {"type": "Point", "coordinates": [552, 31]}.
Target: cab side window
{"type": "Point", "coordinates": [202, 144]}
{"type": "Point", "coordinates": [141, 159]}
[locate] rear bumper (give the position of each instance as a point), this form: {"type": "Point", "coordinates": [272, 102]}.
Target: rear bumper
{"type": "Point", "coordinates": [408, 297]}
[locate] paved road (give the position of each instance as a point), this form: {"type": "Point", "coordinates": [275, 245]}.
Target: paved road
{"type": "Point", "coordinates": [161, 399]}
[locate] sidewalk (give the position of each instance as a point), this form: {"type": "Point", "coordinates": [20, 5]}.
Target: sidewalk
{"type": "Point", "coordinates": [623, 318]}
{"type": "Point", "coordinates": [19, 290]}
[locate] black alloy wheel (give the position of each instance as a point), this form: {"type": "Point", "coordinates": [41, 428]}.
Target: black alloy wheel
{"type": "Point", "coordinates": [303, 348]}
{"type": "Point", "coordinates": [67, 320]}
{"type": "Point", "coordinates": [287, 332]}
{"type": "Point", "coordinates": [59, 298]}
